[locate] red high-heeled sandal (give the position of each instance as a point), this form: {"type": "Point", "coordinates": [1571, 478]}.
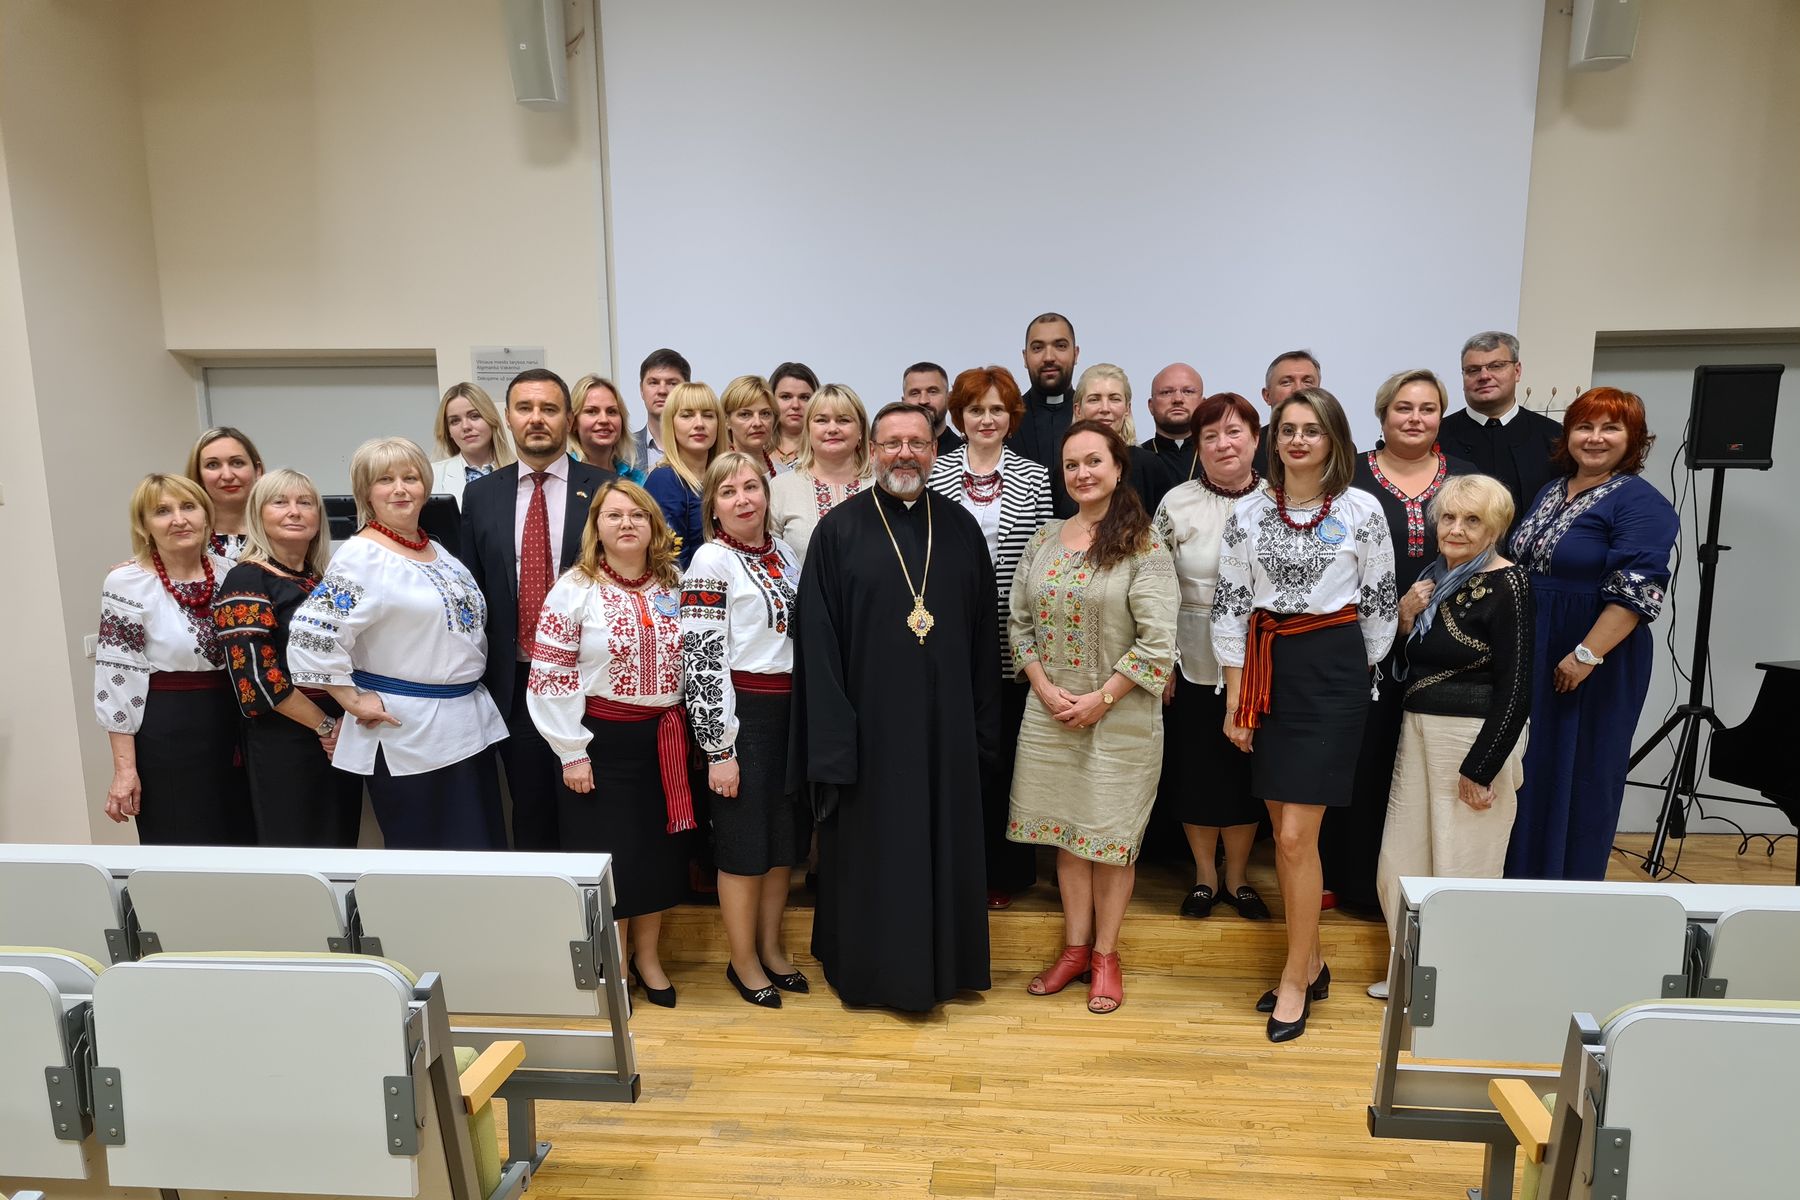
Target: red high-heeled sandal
{"type": "Point", "coordinates": [1108, 983]}
{"type": "Point", "coordinates": [1065, 970]}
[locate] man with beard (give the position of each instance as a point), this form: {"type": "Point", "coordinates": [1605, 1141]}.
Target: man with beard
{"type": "Point", "coordinates": [928, 385]}
{"type": "Point", "coordinates": [896, 717]}
{"type": "Point", "coordinates": [521, 529]}
{"type": "Point", "coordinates": [1174, 395]}
{"type": "Point", "coordinates": [1294, 371]}
{"type": "Point", "coordinates": [1050, 355]}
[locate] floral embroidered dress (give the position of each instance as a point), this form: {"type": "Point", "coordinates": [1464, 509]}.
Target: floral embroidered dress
{"type": "Point", "coordinates": [1608, 545]}
{"type": "Point", "coordinates": [381, 613]}
{"type": "Point", "coordinates": [142, 630]}
{"type": "Point", "coordinates": [598, 639]}
{"type": "Point", "coordinates": [1089, 791]}
{"type": "Point", "coordinates": [798, 502]}
{"type": "Point", "coordinates": [737, 612]}
{"type": "Point", "coordinates": [252, 613]}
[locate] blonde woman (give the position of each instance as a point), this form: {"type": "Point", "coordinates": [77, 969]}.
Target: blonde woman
{"type": "Point", "coordinates": [160, 688]}
{"type": "Point", "coordinates": [298, 797]}
{"type": "Point", "coordinates": [470, 436]}
{"type": "Point", "coordinates": [396, 632]}
{"type": "Point", "coordinates": [693, 429]}
{"type": "Point", "coordinates": [1103, 394]}
{"type": "Point", "coordinates": [833, 466]}
{"type": "Point", "coordinates": [601, 435]}
{"type": "Point", "coordinates": [225, 462]}
{"type": "Point", "coordinates": [750, 418]}
{"type": "Point", "coordinates": [737, 602]}
{"type": "Point", "coordinates": [605, 692]}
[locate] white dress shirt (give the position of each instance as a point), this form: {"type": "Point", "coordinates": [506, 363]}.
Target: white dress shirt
{"type": "Point", "coordinates": [556, 494]}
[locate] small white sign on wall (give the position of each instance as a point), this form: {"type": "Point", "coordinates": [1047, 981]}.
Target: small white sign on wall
{"type": "Point", "coordinates": [495, 367]}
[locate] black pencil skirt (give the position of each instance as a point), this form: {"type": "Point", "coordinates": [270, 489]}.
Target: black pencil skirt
{"type": "Point", "coordinates": [1306, 749]}
{"type": "Point", "coordinates": [763, 826]}
{"type": "Point", "coordinates": [627, 817]}
{"type": "Point", "coordinates": [299, 798]}
{"type": "Point", "coordinates": [190, 766]}
{"type": "Point", "coordinates": [1208, 780]}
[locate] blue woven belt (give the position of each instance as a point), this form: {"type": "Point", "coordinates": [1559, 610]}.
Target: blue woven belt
{"type": "Point", "coordinates": [370, 682]}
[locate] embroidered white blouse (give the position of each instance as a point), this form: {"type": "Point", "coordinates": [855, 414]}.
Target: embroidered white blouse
{"type": "Point", "coordinates": [1266, 564]}
{"type": "Point", "coordinates": [737, 611]}
{"type": "Point", "coordinates": [143, 629]}
{"type": "Point", "coordinates": [798, 502]}
{"type": "Point", "coordinates": [1191, 523]}
{"type": "Point", "coordinates": [381, 612]}
{"type": "Point", "coordinates": [598, 639]}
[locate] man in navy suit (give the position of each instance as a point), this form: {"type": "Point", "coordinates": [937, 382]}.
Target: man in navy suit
{"type": "Point", "coordinates": [1495, 432]}
{"type": "Point", "coordinates": [521, 529]}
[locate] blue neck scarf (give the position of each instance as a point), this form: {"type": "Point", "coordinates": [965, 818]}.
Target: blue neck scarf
{"type": "Point", "coordinates": [1448, 579]}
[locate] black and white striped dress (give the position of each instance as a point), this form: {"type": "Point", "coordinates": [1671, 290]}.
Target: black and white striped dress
{"type": "Point", "coordinates": [1024, 507]}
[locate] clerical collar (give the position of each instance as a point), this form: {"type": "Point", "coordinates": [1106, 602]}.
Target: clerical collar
{"type": "Point", "coordinates": [1055, 401]}
{"type": "Point", "coordinates": [1178, 443]}
{"type": "Point", "coordinates": [1505, 418]}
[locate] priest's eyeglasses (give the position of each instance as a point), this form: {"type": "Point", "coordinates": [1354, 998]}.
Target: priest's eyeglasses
{"type": "Point", "coordinates": [1477, 370]}
{"type": "Point", "coordinates": [916, 445]}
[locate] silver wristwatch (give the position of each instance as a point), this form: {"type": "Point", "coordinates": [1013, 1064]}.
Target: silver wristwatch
{"type": "Point", "coordinates": [326, 726]}
{"type": "Point", "coordinates": [1586, 657]}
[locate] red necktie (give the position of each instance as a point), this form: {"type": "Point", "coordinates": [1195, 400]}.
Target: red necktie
{"type": "Point", "coordinates": [534, 562]}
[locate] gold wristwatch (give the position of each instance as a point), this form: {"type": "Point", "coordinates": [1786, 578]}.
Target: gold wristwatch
{"type": "Point", "coordinates": [1106, 697]}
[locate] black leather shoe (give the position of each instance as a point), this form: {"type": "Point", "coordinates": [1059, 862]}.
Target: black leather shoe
{"type": "Point", "coordinates": [1318, 989]}
{"type": "Point", "coordinates": [1287, 1031]}
{"type": "Point", "coordinates": [763, 997]}
{"type": "Point", "coordinates": [1249, 905]}
{"type": "Point", "coordinates": [793, 982]}
{"type": "Point", "coordinates": [661, 997]}
{"type": "Point", "coordinates": [1199, 901]}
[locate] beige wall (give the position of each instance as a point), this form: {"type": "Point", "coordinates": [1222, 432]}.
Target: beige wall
{"type": "Point", "coordinates": [1664, 192]}
{"type": "Point", "coordinates": [96, 391]}
{"type": "Point", "coordinates": [340, 175]}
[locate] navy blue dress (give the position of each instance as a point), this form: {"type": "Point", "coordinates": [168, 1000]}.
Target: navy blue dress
{"type": "Point", "coordinates": [680, 506]}
{"type": "Point", "coordinates": [1609, 545]}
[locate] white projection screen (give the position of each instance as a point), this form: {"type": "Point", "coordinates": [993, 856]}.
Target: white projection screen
{"type": "Point", "coordinates": [860, 185]}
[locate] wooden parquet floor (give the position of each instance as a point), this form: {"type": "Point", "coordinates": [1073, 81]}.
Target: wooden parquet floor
{"type": "Point", "coordinates": [1178, 1094]}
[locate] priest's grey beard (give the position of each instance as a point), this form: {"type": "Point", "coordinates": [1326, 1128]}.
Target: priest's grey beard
{"type": "Point", "coordinates": [906, 486]}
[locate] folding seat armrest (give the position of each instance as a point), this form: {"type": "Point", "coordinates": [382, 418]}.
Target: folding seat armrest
{"type": "Point", "coordinates": [1525, 1115]}
{"type": "Point", "coordinates": [488, 1072]}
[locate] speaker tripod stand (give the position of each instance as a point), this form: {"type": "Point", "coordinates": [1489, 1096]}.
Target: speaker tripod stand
{"type": "Point", "coordinates": [1689, 721]}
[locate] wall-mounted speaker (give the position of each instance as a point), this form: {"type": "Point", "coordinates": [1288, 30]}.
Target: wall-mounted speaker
{"type": "Point", "coordinates": [1604, 35]}
{"type": "Point", "coordinates": [534, 46]}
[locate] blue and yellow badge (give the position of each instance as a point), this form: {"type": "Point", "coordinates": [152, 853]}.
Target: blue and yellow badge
{"type": "Point", "coordinates": [666, 604]}
{"type": "Point", "coordinates": [1332, 531]}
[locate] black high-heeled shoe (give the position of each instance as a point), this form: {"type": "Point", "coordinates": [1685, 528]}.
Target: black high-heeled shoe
{"type": "Point", "coordinates": [762, 997]}
{"type": "Point", "coordinates": [793, 981]}
{"type": "Point", "coordinates": [1287, 1031]}
{"type": "Point", "coordinates": [661, 997]}
{"type": "Point", "coordinates": [1318, 989]}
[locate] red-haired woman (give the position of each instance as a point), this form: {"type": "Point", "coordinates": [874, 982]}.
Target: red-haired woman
{"type": "Point", "coordinates": [1009, 497]}
{"type": "Point", "coordinates": [1597, 543]}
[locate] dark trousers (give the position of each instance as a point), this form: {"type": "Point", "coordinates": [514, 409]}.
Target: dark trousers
{"type": "Point", "coordinates": [1011, 866]}
{"type": "Point", "coordinates": [452, 808]}
{"type": "Point", "coordinates": [533, 773]}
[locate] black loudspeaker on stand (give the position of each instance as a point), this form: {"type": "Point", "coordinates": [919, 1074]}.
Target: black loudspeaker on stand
{"type": "Point", "coordinates": [1731, 425]}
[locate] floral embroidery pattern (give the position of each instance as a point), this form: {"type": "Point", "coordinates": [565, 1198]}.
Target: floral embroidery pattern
{"type": "Point", "coordinates": [1636, 591]}
{"type": "Point", "coordinates": [1414, 505]}
{"type": "Point", "coordinates": [644, 658]}
{"type": "Point", "coordinates": [1074, 840]}
{"type": "Point", "coordinates": [120, 634]}
{"type": "Point", "coordinates": [825, 496]}
{"type": "Point", "coordinates": [465, 608]}
{"type": "Point", "coordinates": [1536, 537]}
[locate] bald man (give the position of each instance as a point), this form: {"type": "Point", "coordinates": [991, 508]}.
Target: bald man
{"type": "Point", "coordinates": [1174, 395]}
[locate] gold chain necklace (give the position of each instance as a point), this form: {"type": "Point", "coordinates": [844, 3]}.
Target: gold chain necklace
{"type": "Point", "coordinates": [919, 620]}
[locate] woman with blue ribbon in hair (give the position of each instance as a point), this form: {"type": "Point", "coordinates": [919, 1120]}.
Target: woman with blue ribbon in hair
{"type": "Point", "coordinates": [1466, 666]}
{"type": "Point", "coordinates": [396, 632]}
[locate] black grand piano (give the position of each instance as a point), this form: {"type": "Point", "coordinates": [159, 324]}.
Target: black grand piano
{"type": "Point", "coordinates": [1756, 754]}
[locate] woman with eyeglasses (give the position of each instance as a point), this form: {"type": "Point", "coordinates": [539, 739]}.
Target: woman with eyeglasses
{"type": "Point", "coordinates": [1305, 607]}
{"type": "Point", "coordinates": [606, 692]}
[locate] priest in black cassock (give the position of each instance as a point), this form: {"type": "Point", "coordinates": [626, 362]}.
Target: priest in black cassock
{"type": "Point", "coordinates": [1499, 435]}
{"type": "Point", "coordinates": [896, 717]}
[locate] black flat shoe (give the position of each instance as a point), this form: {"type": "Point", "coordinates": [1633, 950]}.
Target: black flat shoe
{"type": "Point", "coordinates": [1249, 905]}
{"type": "Point", "coordinates": [762, 997]}
{"type": "Point", "coordinates": [1318, 989]}
{"type": "Point", "coordinates": [792, 982]}
{"type": "Point", "coordinates": [1287, 1031]}
{"type": "Point", "coordinates": [661, 997]}
{"type": "Point", "coordinates": [1199, 901]}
